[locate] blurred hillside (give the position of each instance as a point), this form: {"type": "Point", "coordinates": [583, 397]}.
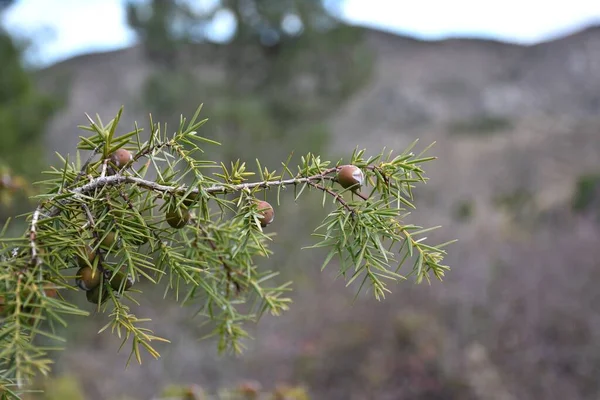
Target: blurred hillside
{"type": "Point", "coordinates": [517, 182]}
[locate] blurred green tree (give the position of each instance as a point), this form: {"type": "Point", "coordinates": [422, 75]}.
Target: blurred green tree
{"type": "Point", "coordinates": [24, 112]}
{"type": "Point", "coordinates": [283, 67]}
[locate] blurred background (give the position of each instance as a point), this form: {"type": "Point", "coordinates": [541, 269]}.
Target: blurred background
{"type": "Point", "coordinates": [510, 92]}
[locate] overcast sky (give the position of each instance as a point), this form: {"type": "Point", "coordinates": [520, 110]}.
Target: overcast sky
{"type": "Point", "coordinates": [78, 26]}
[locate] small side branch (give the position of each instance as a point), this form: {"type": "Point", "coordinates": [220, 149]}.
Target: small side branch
{"type": "Point", "coordinates": [104, 167]}
{"type": "Point", "coordinates": [151, 149]}
{"type": "Point", "coordinates": [226, 266]}
{"type": "Point", "coordinates": [362, 196]}
{"type": "Point", "coordinates": [333, 194]}
{"type": "Point", "coordinates": [85, 165]}
{"type": "Point", "coordinates": [92, 225]}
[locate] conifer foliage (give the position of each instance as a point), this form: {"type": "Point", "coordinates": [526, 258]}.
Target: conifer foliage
{"type": "Point", "coordinates": [148, 206]}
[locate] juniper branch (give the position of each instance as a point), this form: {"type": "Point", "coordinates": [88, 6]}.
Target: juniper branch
{"type": "Point", "coordinates": [114, 180]}
{"type": "Point", "coordinates": [226, 266]}
{"type": "Point", "coordinates": [86, 164]}
{"type": "Point", "coordinates": [365, 235]}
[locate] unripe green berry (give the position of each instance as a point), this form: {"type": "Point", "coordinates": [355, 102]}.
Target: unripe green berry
{"type": "Point", "coordinates": [94, 295]}
{"type": "Point", "coordinates": [88, 279]}
{"type": "Point", "coordinates": [177, 218]}
{"type": "Point", "coordinates": [109, 240]}
{"type": "Point", "coordinates": [190, 199]}
{"type": "Point", "coordinates": [116, 280]}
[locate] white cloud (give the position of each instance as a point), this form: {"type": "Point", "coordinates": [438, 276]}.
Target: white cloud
{"type": "Point", "coordinates": [74, 26]}
{"type": "Point", "coordinates": [519, 21]}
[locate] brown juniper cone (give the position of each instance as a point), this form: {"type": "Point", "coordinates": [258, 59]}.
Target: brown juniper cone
{"type": "Point", "coordinates": [121, 157]}
{"type": "Point", "coordinates": [93, 296]}
{"type": "Point", "coordinates": [266, 210]}
{"type": "Point", "coordinates": [116, 280]}
{"type": "Point", "coordinates": [177, 218]}
{"type": "Point", "coordinates": [50, 290]}
{"type": "Point", "coordinates": [350, 176]}
{"type": "Point", "coordinates": [88, 279]}
{"type": "Point", "coordinates": [91, 255]}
